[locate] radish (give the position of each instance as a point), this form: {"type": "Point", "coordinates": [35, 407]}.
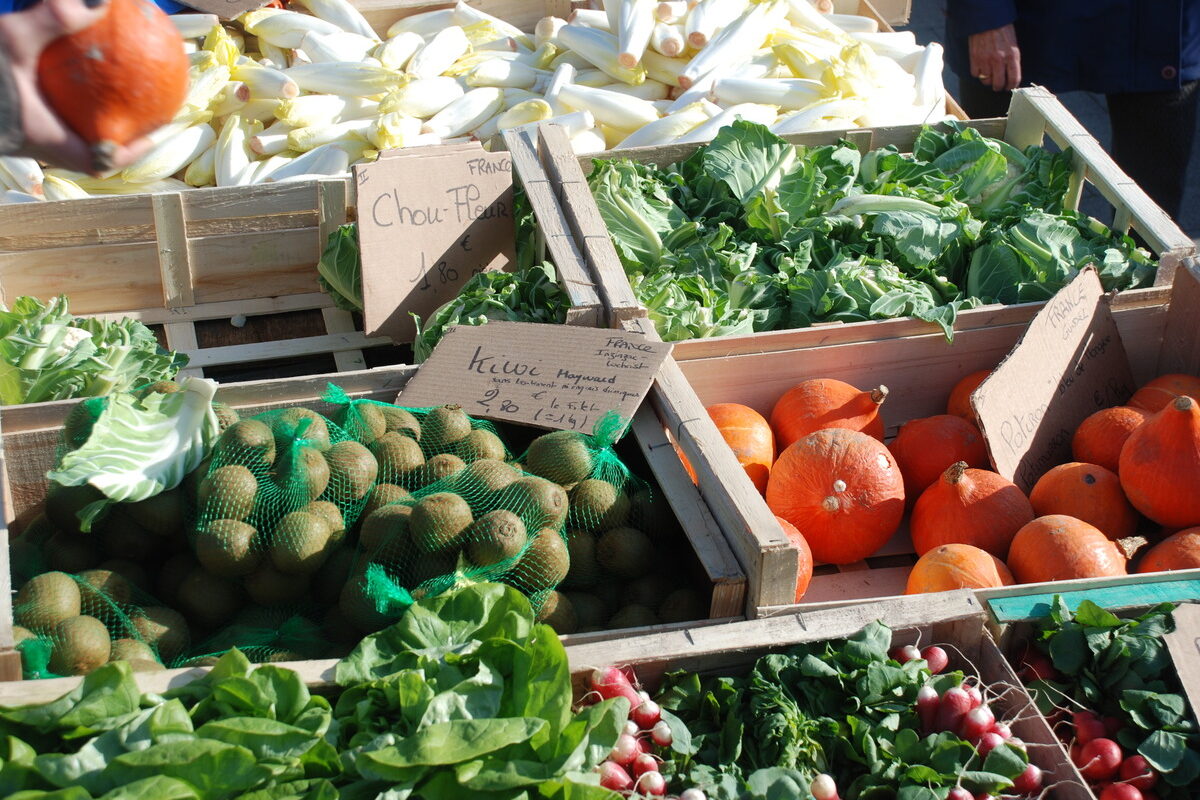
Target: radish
{"type": "Point", "coordinates": [613, 776]}
{"type": "Point", "coordinates": [1039, 667]}
{"type": "Point", "coordinates": [631, 728]}
{"type": "Point", "coordinates": [625, 750]}
{"type": "Point", "coordinates": [959, 793]}
{"type": "Point", "coordinates": [989, 742]}
{"type": "Point", "coordinates": [1017, 743]}
{"type": "Point", "coordinates": [823, 788]}
{"type": "Point", "coordinates": [1029, 781]}
{"type": "Point", "coordinates": [976, 723]}
{"type": "Point", "coordinates": [692, 794]}
{"type": "Point", "coordinates": [1113, 726]}
{"type": "Point", "coordinates": [904, 654]}
{"type": "Point", "coordinates": [927, 706]}
{"type": "Point", "coordinates": [652, 784]}
{"type": "Point", "coordinates": [646, 715]}
{"type": "Point", "coordinates": [661, 734]}
{"type": "Point", "coordinates": [953, 707]}
{"type": "Point", "coordinates": [1002, 729]}
{"type": "Point", "coordinates": [936, 658]}
{"type": "Point", "coordinates": [1099, 759]}
{"type": "Point", "coordinates": [1088, 726]}
{"type": "Point", "coordinates": [1121, 791]}
{"type": "Point", "coordinates": [644, 763]}
{"type": "Point", "coordinates": [1136, 771]}
{"type": "Point", "coordinates": [976, 696]}
{"type": "Point", "coordinates": [611, 682]}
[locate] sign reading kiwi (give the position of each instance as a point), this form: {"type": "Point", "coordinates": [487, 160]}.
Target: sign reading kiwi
{"type": "Point", "coordinates": [551, 376]}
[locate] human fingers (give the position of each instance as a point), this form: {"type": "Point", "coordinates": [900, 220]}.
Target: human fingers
{"type": "Point", "coordinates": [128, 154]}
{"type": "Point", "coordinates": [1012, 68]}
{"type": "Point", "coordinates": [41, 24]}
{"type": "Point", "coordinates": [997, 72]}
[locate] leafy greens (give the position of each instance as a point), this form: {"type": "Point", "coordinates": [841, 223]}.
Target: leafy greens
{"type": "Point", "coordinates": [753, 234]}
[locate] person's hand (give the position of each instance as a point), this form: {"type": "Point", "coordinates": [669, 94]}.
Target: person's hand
{"type": "Point", "coordinates": [24, 35]}
{"type": "Point", "coordinates": [995, 58]}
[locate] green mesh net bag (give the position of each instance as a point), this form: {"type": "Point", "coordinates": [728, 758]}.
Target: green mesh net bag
{"type": "Point", "coordinates": [264, 635]}
{"type": "Point", "coordinates": [71, 624]}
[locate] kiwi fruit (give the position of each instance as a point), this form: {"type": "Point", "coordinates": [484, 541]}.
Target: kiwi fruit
{"type": "Point", "coordinates": [358, 609]}
{"type": "Point", "coordinates": [545, 563]}
{"type": "Point", "coordinates": [131, 571]}
{"type": "Point", "coordinates": [584, 572]}
{"type": "Point", "coordinates": [191, 481]}
{"type": "Point", "coordinates": [47, 600]}
{"type": "Point", "coordinates": [121, 537]}
{"type": "Point", "coordinates": [77, 427]}
{"type": "Point", "coordinates": [171, 574]}
{"type": "Point", "coordinates": [283, 656]}
{"type": "Point", "coordinates": [332, 515]}
{"type": "Point", "coordinates": [480, 443]}
{"type": "Point", "coordinates": [540, 503]}
{"type": "Point", "coordinates": [71, 552]}
{"type": "Point", "coordinates": [649, 590]}
{"type": "Point", "coordinates": [131, 650]}
{"type": "Point", "coordinates": [365, 421]}
{"type": "Point", "coordinates": [625, 552]}
{"type": "Point", "coordinates": [439, 521]}
{"type": "Point", "coordinates": [22, 634]}
{"type": "Point", "coordinates": [352, 471]}
{"type": "Point", "coordinates": [269, 587]}
{"type": "Point", "coordinates": [443, 466]}
{"type": "Point", "coordinates": [651, 514]}
{"type": "Point", "coordinates": [426, 566]}
{"type": "Point", "coordinates": [486, 476]}
{"type": "Point", "coordinates": [387, 525]}
{"type": "Point", "coordinates": [63, 504]}
{"type": "Point", "coordinates": [208, 599]}
{"type": "Point", "coordinates": [80, 645]}
{"type": "Point", "coordinates": [559, 456]}
{"type": "Point", "coordinates": [164, 629]}
{"type": "Point", "coordinates": [229, 492]}
{"type": "Point", "coordinates": [633, 616]}
{"type": "Point", "coordinates": [248, 441]}
{"type": "Point", "coordinates": [611, 594]}
{"type": "Point", "coordinates": [443, 427]}
{"type": "Point", "coordinates": [228, 548]}
{"type": "Point", "coordinates": [102, 585]}
{"type": "Point", "coordinates": [158, 387]}
{"type": "Point", "coordinates": [145, 665]}
{"type": "Point", "coordinates": [286, 427]}
{"type": "Point", "coordinates": [400, 420]}
{"type": "Point", "coordinates": [328, 580]}
{"type": "Point", "coordinates": [683, 605]}
{"type": "Point", "coordinates": [304, 473]}
{"type": "Point", "coordinates": [590, 611]}
{"type": "Point", "coordinates": [496, 537]}
{"type": "Point", "coordinates": [384, 494]}
{"type": "Point", "coordinates": [558, 612]}
{"type": "Point", "coordinates": [26, 559]}
{"type": "Point", "coordinates": [163, 514]}
{"type": "Point", "coordinates": [598, 505]}
{"type": "Point", "coordinates": [397, 455]}
{"type": "Point", "coordinates": [300, 543]}
{"type": "Point", "coordinates": [226, 416]}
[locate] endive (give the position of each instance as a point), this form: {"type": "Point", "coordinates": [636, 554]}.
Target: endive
{"type": "Point", "coordinates": [610, 108]}
{"type": "Point", "coordinates": [466, 113]}
{"type": "Point", "coordinates": [439, 53]}
{"type": "Point", "coordinates": [422, 98]}
{"type": "Point", "coordinates": [304, 139]}
{"type": "Point", "coordinates": [342, 14]}
{"type": "Point", "coordinates": [171, 155]}
{"type": "Point", "coordinates": [668, 128]}
{"type": "Point", "coordinates": [344, 78]}
{"type": "Point", "coordinates": [284, 28]}
{"type": "Point", "coordinates": [600, 48]}
{"type": "Point", "coordinates": [396, 51]}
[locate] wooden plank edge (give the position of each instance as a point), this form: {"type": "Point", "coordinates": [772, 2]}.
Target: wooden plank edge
{"type": "Point", "coordinates": [1030, 601]}
{"type": "Point", "coordinates": [283, 348]}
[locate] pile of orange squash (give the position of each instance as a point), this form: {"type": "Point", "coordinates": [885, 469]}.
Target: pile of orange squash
{"type": "Point", "coordinates": [840, 494]}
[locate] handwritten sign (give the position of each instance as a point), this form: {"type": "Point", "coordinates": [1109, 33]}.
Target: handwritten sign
{"type": "Point", "coordinates": [552, 376]}
{"type": "Point", "coordinates": [1069, 364]}
{"type": "Point", "coordinates": [428, 219]}
{"type": "Point", "coordinates": [225, 9]}
{"type": "Point", "coordinates": [1184, 646]}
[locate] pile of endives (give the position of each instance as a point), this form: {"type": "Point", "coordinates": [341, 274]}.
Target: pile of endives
{"type": "Point", "coordinates": [286, 95]}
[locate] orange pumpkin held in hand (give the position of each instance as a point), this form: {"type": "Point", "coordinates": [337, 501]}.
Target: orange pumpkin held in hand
{"type": "Point", "coordinates": [959, 403]}
{"type": "Point", "coordinates": [1158, 393]}
{"type": "Point", "coordinates": [822, 403]}
{"type": "Point", "coordinates": [805, 565]}
{"type": "Point", "coordinates": [1178, 551]}
{"type": "Point", "coordinates": [969, 506]}
{"type": "Point", "coordinates": [925, 448]}
{"type": "Point", "coordinates": [1061, 548]}
{"type": "Point", "coordinates": [118, 79]}
{"type": "Point", "coordinates": [749, 436]}
{"type": "Point", "coordinates": [1099, 438]}
{"type": "Point", "coordinates": [842, 490]}
{"type": "Point", "coordinates": [957, 566]}
{"type": "Point", "coordinates": [1087, 492]}
{"type": "Point", "coordinates": [1160, 465]}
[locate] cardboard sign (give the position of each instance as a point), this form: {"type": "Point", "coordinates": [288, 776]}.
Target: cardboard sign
{"type": "Point", "coordinates": [1184, 645]}
{"type": "Point", "coordinates": [225, 9]}
{"type": "Point", "coordinates": [1069, 364]}
{"type": "Point", "coordinates": [428, 219]}
{"type": "Point", "coordinates": [552, 376]}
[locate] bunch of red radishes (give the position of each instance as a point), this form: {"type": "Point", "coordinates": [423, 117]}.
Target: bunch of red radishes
{"type": "Point", "coordinates": [1118, 775]}
{"type": "Point", "coordinates": [632, 766]}
{"type": "Point", "coordinates": [961, 710]}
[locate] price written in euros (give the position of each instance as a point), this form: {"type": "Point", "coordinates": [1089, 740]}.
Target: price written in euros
{"type": "Point", "coordinates": [550, 410]}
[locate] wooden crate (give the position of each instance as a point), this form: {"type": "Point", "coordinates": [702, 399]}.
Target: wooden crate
{"type": "Point", "coordinates": [29, 436]}
{"type": "Point", "coordinates": [1034, 118]}
{"type": "Point", "coordinates": [954, 619]}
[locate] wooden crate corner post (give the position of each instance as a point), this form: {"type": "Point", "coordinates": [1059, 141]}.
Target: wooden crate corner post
{"type": "Point", "coordinates": [331, 215]}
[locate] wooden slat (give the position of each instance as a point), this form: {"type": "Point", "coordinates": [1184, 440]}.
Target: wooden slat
{"type": "Point", "coordinates": [1181, 336]}
{"type": "Point", "coordinates": [174, 263]}
{"type": "Point", "coordinates": [284, 348]}
{"type": "Point", "coordinates": [1125, 592]}
{"type": "Point", "coordinates": [331, 205]}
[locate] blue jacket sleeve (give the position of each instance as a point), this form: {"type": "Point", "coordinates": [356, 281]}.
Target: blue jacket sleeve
{"type": "Point", "coordinates": [976, 16]}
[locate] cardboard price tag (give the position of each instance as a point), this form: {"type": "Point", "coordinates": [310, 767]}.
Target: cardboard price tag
{"type": "Point", "coordinates": [1069, 364]}
{"type": "Point", "coordinates": [552, 376]}
{"type": "Point", "coordinates": [1184, 646]}
{"type": "Point", "coordinates": [225, 9]}
{"type": "Point", "coordinates": [428, 219]}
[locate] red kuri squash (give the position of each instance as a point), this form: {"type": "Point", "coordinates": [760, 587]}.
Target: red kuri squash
{"type": "Point", "coordinates": [749, 436]}
{"type": "Point", "coordinates": [822, 403]}
{"type": "Point", "coordinates": [957, 566]}
{"type": "Point", "coordinates": [959, 403]}
{"type": "Point", "coordinates": [1160, 465]}
{"type": "Point", "coordinates": [1178, 551]}
{"type": "Point", "coordinates": [804, 572]}
{"type": "Point", "coordinates": [925, 448]}
{"type": "Point", "coordinates": [969, 506]}
{"type": "Point", "coordinates": [1099, 438]}
{"type": "Point", "coordinates": [1087, 492]}
{"type": "Point", "coordinates": [1158, 393]}
{"type": "Point", "coordinates": [1061, 548]}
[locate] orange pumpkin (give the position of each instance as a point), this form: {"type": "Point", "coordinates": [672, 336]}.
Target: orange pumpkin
{"type": "Point", "coordinates": [957, 566]}
{"type": "Point", "coordinates": [1178, 551]}
{"type": "Point", "coordinates": [925, 448]}
{"type": "Point", "coordinates": [959, 403]}
{"type": "Point", "coordinates": [749, 436]}
{"type": "Point", "coordinates": [118, 79]}
{"type": "Point", "coordinates": [1062, 548]}
{"type": "Point", "coordinates": [1160, 465]}
{"type": "Point", "coordinates": [1087, 492]}
{"type": "Point", "coordinates": [842, 490]}
{"type": "Point", "coordinates": [969, 506]}
{"type": "Point", "coordinates": [822, 403]}
{"type": "Point", "coordinates": [1099, 438]}
{"type": "Point", "coordinates": [805, 565]}
{"type": "Point", "coordinates": [1158, 393]}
